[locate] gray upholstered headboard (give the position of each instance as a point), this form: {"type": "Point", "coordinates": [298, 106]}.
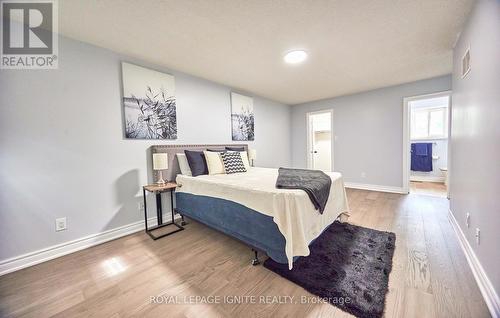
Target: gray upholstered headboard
{"type": "Point", "coordinates": [173, 164]}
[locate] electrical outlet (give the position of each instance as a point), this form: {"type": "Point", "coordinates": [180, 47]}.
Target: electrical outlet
{"type": "Point", "coordinates": [363, 174]}
{"type": "Point", "coordinates": [478, 236]}
{"type": "Point", "coordinates": [60, 224]}
{"type": "Point", "coordinates": [140, 206]}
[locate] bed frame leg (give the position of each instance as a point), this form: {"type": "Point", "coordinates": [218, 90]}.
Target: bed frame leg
{"type": "Point", "coordinates": [255, 261]}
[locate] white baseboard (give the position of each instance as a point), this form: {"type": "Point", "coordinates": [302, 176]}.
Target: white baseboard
{"type": "Point", "coordinates": [374, 187]}
{"type": "Point", "coordinates": [489, 294]}
{"type": "Point", "coordinates": [29, 259]}
{"type": "Point", "coordinates": [427, 178]}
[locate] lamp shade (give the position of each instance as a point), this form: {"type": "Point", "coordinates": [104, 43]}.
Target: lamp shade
{"type": "Point", "coordinates": [160, 161]}
{"type": "Point", "coordinates": [252, 154]}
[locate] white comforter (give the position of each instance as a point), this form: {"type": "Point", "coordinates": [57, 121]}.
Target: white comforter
{"type": "Point", "coordinates": [291, 210]}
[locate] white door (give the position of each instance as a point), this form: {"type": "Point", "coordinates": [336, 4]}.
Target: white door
{"type": "Point", "coordinates": [319, 137]}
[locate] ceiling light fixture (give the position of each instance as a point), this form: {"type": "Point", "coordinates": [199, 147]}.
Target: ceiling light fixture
{"type": "Point", "coordinates": [295, 57]}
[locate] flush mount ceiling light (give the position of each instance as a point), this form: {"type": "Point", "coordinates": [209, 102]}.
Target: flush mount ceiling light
{"type": "Point", "coordinates": [295, 57]}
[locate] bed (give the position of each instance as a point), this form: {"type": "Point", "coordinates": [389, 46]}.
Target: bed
{"type": "Point", "coordinates": [247, 206]}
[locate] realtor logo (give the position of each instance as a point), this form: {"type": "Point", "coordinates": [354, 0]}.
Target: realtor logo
{"type": "Point", "coordinates": [29, 34]}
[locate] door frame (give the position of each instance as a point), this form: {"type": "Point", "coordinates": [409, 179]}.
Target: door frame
{"type": "Point", "coordinates": [406, 134]}
{"type": "Point", "coordinates": [308, 137]}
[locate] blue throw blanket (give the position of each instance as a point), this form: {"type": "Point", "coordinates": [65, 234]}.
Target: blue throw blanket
{"type": "Point", "coordinates": [421, 157]}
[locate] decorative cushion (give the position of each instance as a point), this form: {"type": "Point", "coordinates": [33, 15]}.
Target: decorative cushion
{"type": "Point", "coordinates": [235, 148]}
{"type": "Point", "coordinates": [244, 157]}
{"type": "Point", "coordinates": [183, 164]}
{"type": "Point", "coordinates": [214, 162]}
{"type": "Point", "coordinates": [197, 162]}
{"type": "Point", "coordinates": [232, 162]}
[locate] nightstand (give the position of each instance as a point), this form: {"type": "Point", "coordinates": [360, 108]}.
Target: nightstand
{"type": "Point", "coordinates": [158, 190]}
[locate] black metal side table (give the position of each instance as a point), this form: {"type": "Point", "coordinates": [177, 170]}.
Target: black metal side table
{"type": "Point", "coordinates": [158, 190]}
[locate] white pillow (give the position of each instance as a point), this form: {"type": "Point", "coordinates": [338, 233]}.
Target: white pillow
{"type": "Point", "coordinates": [214, 162]}
{"type": "Point", "coordinates": [244, 157]}
{"type": "Point", "coordinates": [184, 165]}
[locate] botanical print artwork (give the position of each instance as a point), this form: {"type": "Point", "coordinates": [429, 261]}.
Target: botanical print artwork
{"type": "Point", "coordinates": [149, 103]}
{"type": "Point", "coordinates": [242, 118]}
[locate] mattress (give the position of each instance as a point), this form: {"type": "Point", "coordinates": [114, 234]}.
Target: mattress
{"type": "Point", "coordinates": [291, 210]}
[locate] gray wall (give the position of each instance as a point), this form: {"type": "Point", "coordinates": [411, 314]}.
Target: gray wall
{"type": "Point", "coordinates": [369, 131]}
{"type": "Point", "coordinates": [63, 152]}
{"type": "Point", "coordinates": [475, 135]}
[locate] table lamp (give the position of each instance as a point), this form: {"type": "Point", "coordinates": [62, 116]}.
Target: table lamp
{"type": "Point", "coordinates": [160, 162]}
{"type": "Point", "coordinates": [252, 155]}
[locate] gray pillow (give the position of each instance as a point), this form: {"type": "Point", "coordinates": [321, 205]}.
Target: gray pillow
{"type": "Point", "coordinates": [235, 148]}
{"type": "Point", "coordinates": [216, 150]}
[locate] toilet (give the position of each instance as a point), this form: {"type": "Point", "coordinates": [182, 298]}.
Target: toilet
{"type": "Point", "coordinates": [444, 170]}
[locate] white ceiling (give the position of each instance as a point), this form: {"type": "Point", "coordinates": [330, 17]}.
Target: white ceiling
{"type": "Point", "coordinates": [353, 45]}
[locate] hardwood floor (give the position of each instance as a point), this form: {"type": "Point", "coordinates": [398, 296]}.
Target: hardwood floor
{"type": "Point", "coordinates": [437, 189]}
{"type": "Point", "coordinates": [430, 276]}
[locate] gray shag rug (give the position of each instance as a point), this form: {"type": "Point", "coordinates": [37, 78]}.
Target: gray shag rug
{"type": "Point", "coordinates": [348, 266]}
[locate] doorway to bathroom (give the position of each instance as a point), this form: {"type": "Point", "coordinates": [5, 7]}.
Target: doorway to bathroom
{"type": "Point", "coordinates": [425, 135]}
{"type": "Point", "coordinates": [319, 140]}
